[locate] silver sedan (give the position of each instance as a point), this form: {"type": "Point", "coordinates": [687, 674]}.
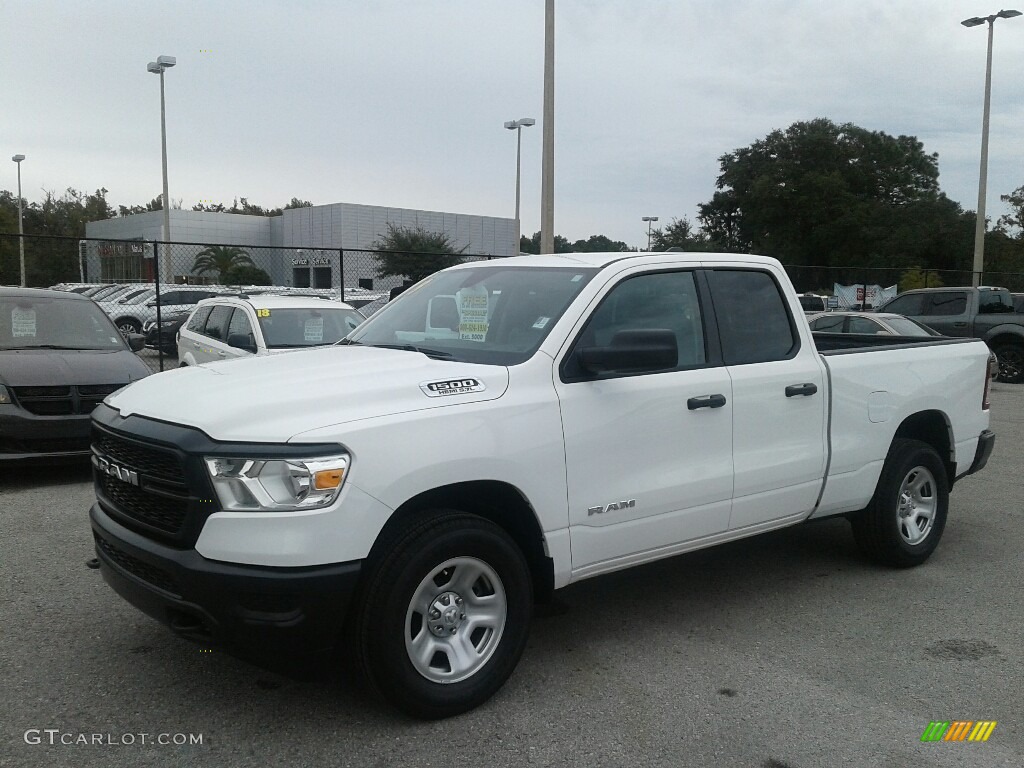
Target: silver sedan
{"type": "Point", "coordinates": [874, 323]}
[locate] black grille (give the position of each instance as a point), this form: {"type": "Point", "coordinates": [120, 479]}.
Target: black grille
{"type": "Point", "coordinates": [158, 577]}
{"type": "Point", "coordinates": [63, 401]}
{"type": "Point", "coordinates": [142, 458]}
{"type": "Point", "coordinates": [164, 511]}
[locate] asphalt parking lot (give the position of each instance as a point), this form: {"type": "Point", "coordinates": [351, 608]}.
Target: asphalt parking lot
{"type": "Point", "coordinates": [782, 650]}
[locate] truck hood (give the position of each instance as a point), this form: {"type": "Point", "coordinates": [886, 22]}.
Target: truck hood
{"type": "Point", "coordinates": [51, 367]}
{"type": "Point", "coordinates": [274, 397]}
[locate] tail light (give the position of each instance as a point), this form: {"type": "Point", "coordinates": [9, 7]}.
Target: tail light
{"type": "Point", "coordinates": [991, 371]}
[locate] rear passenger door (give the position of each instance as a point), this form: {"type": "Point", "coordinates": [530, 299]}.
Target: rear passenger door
{"type": "Point", "coordinates": [947, 313]}
{"type": "Point", "coordinates": [778, 398]}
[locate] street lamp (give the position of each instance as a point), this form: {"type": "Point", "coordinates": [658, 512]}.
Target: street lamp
{"type": "Point", "coordinates": [517, 126]}
{"type": "Point", "coordinates": [650, 220]}
{"type": "Point", "coordinates": [157, 68]}
{"type": "Point", "coordinates": [21, 228]}
{"type": "Point", "coordinates": [979, 227]}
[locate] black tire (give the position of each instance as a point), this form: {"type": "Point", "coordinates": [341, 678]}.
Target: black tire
{"type": "Point", "coordinates": [1011, 363]}
{"type": "Point", "coordinates": [893, 529]}
{"type": "Point", "coordinates": [128, 325]}
{"type": "Point", "coordinates": [386, 627]}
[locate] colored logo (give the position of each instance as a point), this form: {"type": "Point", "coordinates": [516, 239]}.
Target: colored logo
{"type": "Point", "coordinates": [958, 730]}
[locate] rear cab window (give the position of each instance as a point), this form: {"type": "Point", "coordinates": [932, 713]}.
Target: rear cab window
{"type": "Point", "coordinates": [754, 322]}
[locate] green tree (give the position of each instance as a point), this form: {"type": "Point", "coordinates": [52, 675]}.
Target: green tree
{"type": "Point", "coordinates": [221, 259]}
{"type": "Point", "coordinates": [244, 274]}
{"type": "Point", "coordinates": [599, 244]}
{"type": "Point", "coordinates": [414, 253]}
{"type": "Point", "coordinates": [678, 233]}
{"type": "Point", "coordinates": [824, 194]}
{"type": "Point", "coordinates": [532, 244]}
{"type": "Point", "coordinates": [915, 277]}
{"type": "Point", "coordinates": [1012, 223]}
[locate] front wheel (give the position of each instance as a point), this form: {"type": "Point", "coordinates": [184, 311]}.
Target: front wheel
{"type": "Point", "coordinates": [127, 325]}
{"type": "Point", "coordinates": [903, 522]}
{"type": "Point", "coordinates": [445, 615]}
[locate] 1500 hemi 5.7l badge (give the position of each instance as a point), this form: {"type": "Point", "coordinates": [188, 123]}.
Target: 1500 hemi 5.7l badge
{"type": "Point", "coordinates": [451, 387]}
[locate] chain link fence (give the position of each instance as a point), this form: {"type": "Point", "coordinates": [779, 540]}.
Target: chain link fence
{"type": "Point", "coordinates": [149, 287]}
{"type": "Point", "coordinates": [125, 275]}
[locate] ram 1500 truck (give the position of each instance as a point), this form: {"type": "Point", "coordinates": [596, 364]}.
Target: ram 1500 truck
{"type": "Point", "coordinates": [504, 429]}
{"type": "Point", "coordinates": [985, 313]}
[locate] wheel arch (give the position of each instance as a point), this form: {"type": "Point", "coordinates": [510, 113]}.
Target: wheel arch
{"type": "Point", "coordinates": [932, 427]}
{"type": "Point", "coordinates": [499, 502]}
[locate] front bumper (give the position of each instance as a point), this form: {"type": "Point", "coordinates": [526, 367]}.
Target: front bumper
{"type": "Point", "coordinates": [278, 617]}
{"type": "Point", "coordinates": [25, 437]}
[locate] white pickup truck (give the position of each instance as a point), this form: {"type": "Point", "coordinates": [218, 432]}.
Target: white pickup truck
{"type": "Point", "coordinates": [504, 429]}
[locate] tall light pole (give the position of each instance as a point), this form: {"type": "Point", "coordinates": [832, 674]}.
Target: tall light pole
{"type": "Point", "coordinates": [547, 183]}
{"type": "Point", "coordinates": [979, 227]}
{"type": "Point", "coordinates": [157, 67]}
{"type": "Point", "coordinates": [517, 126]}
{"type": "Point", "coordinates": [650, 220]}
{"type": "Point", "coordinates": [21, 228]}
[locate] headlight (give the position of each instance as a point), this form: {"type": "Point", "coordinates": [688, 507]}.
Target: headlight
{"type": "Point", "coordinates": [5, 396]}
{"type": "Point", "coordinates": [277, 485]}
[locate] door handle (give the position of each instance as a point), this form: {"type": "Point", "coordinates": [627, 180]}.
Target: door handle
{"type": "Point", "coordinates": [222, 354]}
{"type": "Point", "coordinates": [960, 325]}
{"type": "Point", "coordinates": [801, 389]}
{"type": "Point", "coordinates": [709, 401]}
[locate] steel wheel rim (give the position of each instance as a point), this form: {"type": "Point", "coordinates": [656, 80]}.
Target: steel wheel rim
{"type": "Point", "coordinates": [916, 503]}
{"type": "Point", "coordinates": [455, 620]}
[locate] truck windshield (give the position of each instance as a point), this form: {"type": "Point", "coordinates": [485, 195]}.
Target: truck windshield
{"type": "Point", "coordinates": [493, 315]}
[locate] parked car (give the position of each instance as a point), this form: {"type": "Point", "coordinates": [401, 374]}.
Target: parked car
{"type": "Point", "coordinates": [130, 318]}
{"type": "Point", "coordinates": [502, 430]}
{"type": "Point", "coordinates": [985, 313]}
{"type": "Point", "coordinates": [810, 302]}
{"type": "Point", "coordinates": [868, 322]}
{"type": "Point", "coordinates": [228, 327]}
{"type": "Point", "coordinates": [60, 356]}
{"type": "Point", "coordinates": [166, 337]}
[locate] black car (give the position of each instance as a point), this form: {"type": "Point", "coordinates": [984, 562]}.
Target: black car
{"type": "Point", "coordinates": [166, 337]}
{"type": "Point", "coordinates": [60, 356]}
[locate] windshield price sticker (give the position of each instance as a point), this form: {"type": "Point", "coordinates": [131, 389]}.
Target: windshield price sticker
{"type": "Point", "coordinates": [23, 322]}
{"type": "Point", "coordinates": [451, 387]}
{"type": "Point", "coordinates": [473, 314]}
{"type": "Point", "coordinates": [314, 329]}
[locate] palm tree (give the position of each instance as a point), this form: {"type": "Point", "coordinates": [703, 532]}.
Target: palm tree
{"type": "Point", "coordinates": [220, 259]}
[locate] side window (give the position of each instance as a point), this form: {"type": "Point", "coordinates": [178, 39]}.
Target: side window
{"type": "Point", "coordinates": [172, 297]}
{"type": "Point", "coordinates": [911, 304]}
{"type": "Point", "coordinates": [864, 325]}
{"type": "Point", "coordinates": [990, 302]}
{"type": "Point", "coordinates": [947, 303]}
{"type": "Point", "coordinates": [198, 320]}
{"type": "Point", "coordinates": [753, 322]}
{"type": "Point", "coordinates": [662, 301]}
{"type": "Point", "coordinates": [216, 323]}
{"type": "Point", "coordinates": [829, 324]}
{"type": "Point", "coordinates": [239, 324]}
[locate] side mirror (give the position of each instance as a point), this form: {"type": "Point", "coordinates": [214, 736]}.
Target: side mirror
{"type": "Point", "coordinates": [243, 341]}
{"type": "Point", "coordinates": [151, 303]}
{"type": "Point", "coordinates": [136, 341]}
{"type": "Point", "coordinates": [637, 351]}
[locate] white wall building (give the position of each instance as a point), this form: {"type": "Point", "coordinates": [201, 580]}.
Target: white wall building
{"type": "Point", "coordinates": [302, 247]}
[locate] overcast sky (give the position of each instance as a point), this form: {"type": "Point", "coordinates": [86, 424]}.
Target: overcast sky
{"type": "Point", "coordinates": [401, 102]}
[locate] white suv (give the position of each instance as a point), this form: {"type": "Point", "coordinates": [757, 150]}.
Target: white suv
{"type": "Point", "coordinates": [228, 327]}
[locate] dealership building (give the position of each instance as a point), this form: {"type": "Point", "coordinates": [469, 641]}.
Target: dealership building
{"type": "Point", "coordinates": [323, 246]}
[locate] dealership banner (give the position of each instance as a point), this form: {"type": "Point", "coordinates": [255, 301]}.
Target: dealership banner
{"type": "Point", "coordinates": [851, 296]}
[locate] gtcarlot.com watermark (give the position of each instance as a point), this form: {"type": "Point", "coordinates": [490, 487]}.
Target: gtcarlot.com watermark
{"type": "Point", "coordinates": [56, 737]}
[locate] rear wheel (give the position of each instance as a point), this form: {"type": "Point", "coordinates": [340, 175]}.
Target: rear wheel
{"type": "Point", "coordinates": [902, 524]}
{"type": "Point", "coordinates": [444, 616]}
{"type": "Point", "coordinates": [1011, 362]}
